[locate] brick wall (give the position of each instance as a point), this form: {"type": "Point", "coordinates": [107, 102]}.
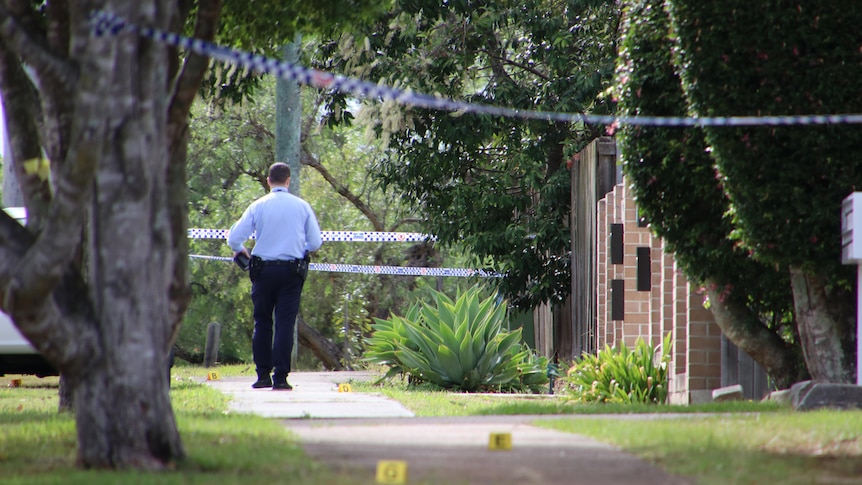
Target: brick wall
{"type": "Point", "coordinates": [640, 292]}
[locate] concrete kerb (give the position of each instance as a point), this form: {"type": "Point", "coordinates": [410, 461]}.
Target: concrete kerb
{"type": "Point", "coordinates": [353, 432]}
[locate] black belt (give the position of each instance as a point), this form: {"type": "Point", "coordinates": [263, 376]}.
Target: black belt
{"type": "Point", "coordinates": [279, 262]}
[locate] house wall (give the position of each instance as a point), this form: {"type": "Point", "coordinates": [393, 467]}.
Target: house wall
{"type": "Point", "coordinates": [656, 299]}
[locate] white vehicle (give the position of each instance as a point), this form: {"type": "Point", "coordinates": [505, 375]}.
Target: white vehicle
{"type": "Point", "coordinates": [17, 355]}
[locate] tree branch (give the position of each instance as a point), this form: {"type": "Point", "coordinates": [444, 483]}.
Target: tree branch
{"type": "Point", "coordinates": [65, 317]}
{"type": "Point", "coordinates": [192, 72]}
{"type": "Point", "coordinates": [34, 51]}
{"type": "Point", "coordinates": [500, 61]}
{"type": "Point", "coordinates": [306, 158]}
{"type": "Point", "coordinates": [406, 220]}
{"type": "Point", "coordinates": [21, 105]}
{"type": "Point", "coordinates": [185, 89]}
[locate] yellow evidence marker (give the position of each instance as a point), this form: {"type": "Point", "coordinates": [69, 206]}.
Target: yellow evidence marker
{"type": "Point", "coordinates": [500, 441]}
{"type": "Point", "coordinates": [345, 388]}
{"type": "Point", "coordinates": [213, 376]}
{"type": "Point", "coordinates": [392, 472]}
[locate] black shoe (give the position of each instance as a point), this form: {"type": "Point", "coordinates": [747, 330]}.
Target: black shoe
{"type": "Point", "coordinates": [282, 386]}
{"type": "Point", "coordinates": [262, 382]}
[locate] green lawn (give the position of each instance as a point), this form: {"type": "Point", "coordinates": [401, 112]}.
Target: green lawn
{"type": "Point", "coordinates": [738, 443]}
{"type": "Point", "coordinates": [822, 447]}
{"type": "Point", "coordinates": [718, 443]}
{"type": "Point", "coordinates": [38, 446]}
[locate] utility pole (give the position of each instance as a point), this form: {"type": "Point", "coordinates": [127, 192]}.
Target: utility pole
{"type": "Point", "coordinates": [288, 118]}
{"type": "Point", "coordinates": [288, 127]}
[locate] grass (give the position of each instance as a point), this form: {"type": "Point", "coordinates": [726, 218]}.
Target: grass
{"type": "Point", "coordinates": [736, 443]}
{"type": "Point", "coordinates": [425, 401]}
{"type": "Point", "coordinates": [784, 447]}
{"type": "Point", "coordinates": [740, 442]}
{"type": "Point", "coordinates": [38, 445]}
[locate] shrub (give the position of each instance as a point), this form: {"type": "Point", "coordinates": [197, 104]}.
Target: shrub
{"type": "Point", "coordinates": [621, 375]}
{"type": "Point", "coordinates": [457, 344]}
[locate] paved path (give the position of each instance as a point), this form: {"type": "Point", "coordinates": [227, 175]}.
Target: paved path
{"type": "Point", "coordinates": [314, 395]}
{"type": "Point", "coordinates": [352, 432]}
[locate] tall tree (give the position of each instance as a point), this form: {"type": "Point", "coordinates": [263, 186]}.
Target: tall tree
{"type": "Point", "coordinates": [111, 112]}
{"type": "Point", "coordinates": [497, 186]}
{"type": "Point", "coordinates": [785, 183]}
{"type": "Point", "coordinates": [673, 176]}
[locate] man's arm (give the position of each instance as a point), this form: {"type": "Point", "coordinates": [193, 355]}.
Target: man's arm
{"type": "Point", "coordinates": [240, 232]}
{"type": "Point", "coordinates": [313, 238]}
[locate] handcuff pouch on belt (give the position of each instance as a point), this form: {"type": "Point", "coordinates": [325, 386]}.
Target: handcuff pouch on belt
{"type": "Point", "coordinates": [302, 265]}
{"type": "Point", "coordinates": [255, 267]}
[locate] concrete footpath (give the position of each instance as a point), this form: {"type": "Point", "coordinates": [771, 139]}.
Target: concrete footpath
{"type": "Point", "coordinates": [353, 432]}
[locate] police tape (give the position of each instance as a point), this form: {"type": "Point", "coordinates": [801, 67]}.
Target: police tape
{"type": "Point", "coordinates": [104, 23]}
{"type": "Point", "coordinates": [332, 236]}
{"type": "Point", "coordinates": [382, 270]}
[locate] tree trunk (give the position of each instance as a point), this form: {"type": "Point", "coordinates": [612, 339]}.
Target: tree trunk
{"type": "Point", "coordinates": [122, 403]}
{"type": "Point", "coordinates": [825, 319]}
{"type": "Point", "coordinates": [123, 413]}
{"type": "Point", "coordinates": [746, 331]}
{"type": "Point", "coordinates": [328, 353]}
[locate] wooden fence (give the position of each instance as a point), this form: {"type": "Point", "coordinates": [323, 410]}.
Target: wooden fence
{"type": "Point", "coordinates": [594, 173]}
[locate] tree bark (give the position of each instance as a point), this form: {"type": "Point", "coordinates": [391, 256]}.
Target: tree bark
{"type": "Point", "coordinates": [106, 104]}
{"type": "Point", "coordinates": [746, 331]}
{"type": "Point", "coordinates": [825, 318]}
{"type": "Point", "coordinates": [322, 348]}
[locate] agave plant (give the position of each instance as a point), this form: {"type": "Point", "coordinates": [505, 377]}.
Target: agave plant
{"type": "Point", "coordinates": [457, 344]}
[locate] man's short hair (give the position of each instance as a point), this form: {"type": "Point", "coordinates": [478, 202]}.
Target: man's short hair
{"type": "Point", "coordinates": [279, 172]}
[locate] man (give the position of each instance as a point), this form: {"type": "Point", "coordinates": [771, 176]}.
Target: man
{"type": "Point", "coordinates": [285, 230]}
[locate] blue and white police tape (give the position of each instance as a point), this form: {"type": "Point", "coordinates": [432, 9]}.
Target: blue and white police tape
{"type": "Point", "coordinates": [381, 270]}
{"type": "Point", "coordinates": [332, 236]}
{"type": "Point", "coordinates": [104, 23]}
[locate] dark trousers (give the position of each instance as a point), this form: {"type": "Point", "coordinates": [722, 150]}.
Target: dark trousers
{"type": "Point", "coordinates": [276, 289]}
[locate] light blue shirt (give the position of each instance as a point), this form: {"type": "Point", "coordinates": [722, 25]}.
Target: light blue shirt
{"type": "Point", "coordinates": [284, 227]}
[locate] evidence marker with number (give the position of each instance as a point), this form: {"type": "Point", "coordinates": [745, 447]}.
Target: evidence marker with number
{"type": "Point", "coordinates": [500, 441]}
{"type": "Point", "coordinates": [391, 472]}
{"type": "Point", "coordinates": [345, 388]}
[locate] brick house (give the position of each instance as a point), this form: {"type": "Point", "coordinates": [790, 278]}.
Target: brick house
{"type": "Point", "coordinates": [625, 286]}
{"type": "Point", "coordinates": [640, 293]}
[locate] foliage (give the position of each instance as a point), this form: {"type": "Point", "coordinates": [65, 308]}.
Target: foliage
{"type": "Point", "coordinates": [621, 375]}
{"type": "Point", "coordinates": [496, 185]}
{"type": "Point", "coordinates": [231, 148]}
{"type": "Point", "coordinates": [673, 178]}
{"type": "Point", "coordinates": [785, 183]}
{"type": "Point", "coordinates": [265, 27]}
{"type": "Point", "coordinates": [457, 344]}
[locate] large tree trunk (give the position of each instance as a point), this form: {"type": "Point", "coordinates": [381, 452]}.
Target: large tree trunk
{"type": "Point", "coordinates": [123, 412]}
{"type": "Point", "coordinates": [825, 319]}
{"type": "Point", "coordinates": [123, 408]}
{"type": "Point", "coordinates": [746, 331]}
{"type": "Point", "coordinates": [102, 114]}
